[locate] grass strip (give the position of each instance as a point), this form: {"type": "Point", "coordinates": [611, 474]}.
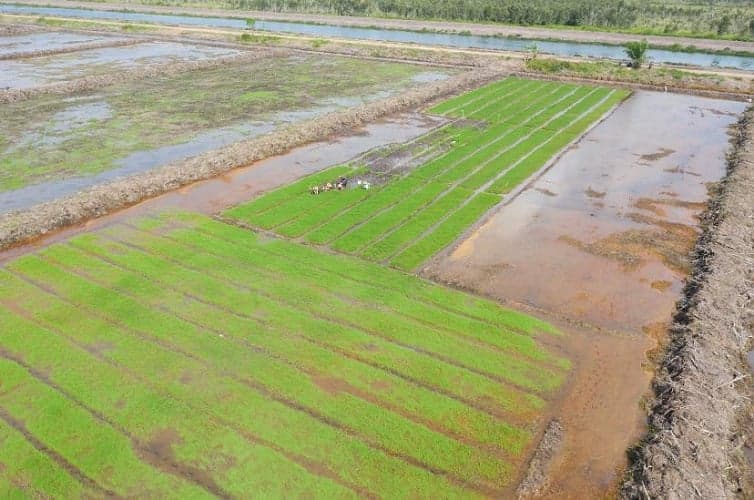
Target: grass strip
{"type": "Point", "coordinates": [370, 321]}
{"type": "Point", "coordinates": [27, 472]}
{"type": "Point", "coordinates": [256, 260]}
{"type": "Point", "coordinates": [359, 271]}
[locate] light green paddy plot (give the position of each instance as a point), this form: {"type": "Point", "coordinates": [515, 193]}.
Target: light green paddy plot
{"type": "Point", "coordinates": [503, 133]}
{"type": "Point", "coordinates": [178, 356]}
{"type": "Point", "coordinates": [140, 125]}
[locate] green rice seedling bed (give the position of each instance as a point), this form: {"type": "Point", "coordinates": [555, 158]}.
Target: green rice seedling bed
{"type": "Point", "coordinates": [445, 233]}
{"type": "Point", "coordinates": [415, 225]}
{"type": "Point", "coordinates": [256, 364]}
{"type": "Point", "coordinates": [525, 122]}
{"type": "Point", "coordinates": [363, 272]}
{"type": "Point", "coordinates": [373, 227]}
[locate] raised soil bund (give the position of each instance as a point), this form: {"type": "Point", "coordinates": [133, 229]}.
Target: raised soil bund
{"type": "Point", "coordinates": [105, 44]}
{"type": "Point", "coordinates": [41, 219]}
{"type": "Point", "coordinates": [483, 29]}
{"type": "Point", "coordinates": [701, 416]}
{"type": "Point", "coordinates": [98, 81]}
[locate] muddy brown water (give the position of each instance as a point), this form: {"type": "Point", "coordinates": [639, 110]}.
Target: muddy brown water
{"type": "Point", "coordinates": [241, 184]}
{"type": "Point", "coordinates": [599, 243]}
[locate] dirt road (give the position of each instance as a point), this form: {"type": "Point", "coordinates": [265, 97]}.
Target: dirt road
{"type": "Point", "coordinates": [405, 24]}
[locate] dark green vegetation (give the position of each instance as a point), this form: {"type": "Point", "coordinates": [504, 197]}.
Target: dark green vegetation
{"type": "Point", "coordinates": [51, 138]}
{"type": "Point", "coordinates": [713, 18]}
{"type": "Point", "coordinates": [177, 356]}
{"type": "Point", "coordinates": [501, 135]}
{"type": "Point", "coordinates": [637, 53]}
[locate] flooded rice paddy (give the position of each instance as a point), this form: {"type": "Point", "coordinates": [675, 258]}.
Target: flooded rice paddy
{"type": "Point", "coordinates": [214, 195]}
{"type": "Point", "coordinates": [601, 241]}
{"type": "Point", "coordinates": [614, 219]}
{"type": "Point", "coordinates": [559, 48]}
{"type": "Point", "coordinates": [52, 146]}
{"type": "Point", "coordinates": [33, 72]}
{"type": "Point", "coordinates": [597, 245]}
{"type": "Point", "coordinates": [16, 44]}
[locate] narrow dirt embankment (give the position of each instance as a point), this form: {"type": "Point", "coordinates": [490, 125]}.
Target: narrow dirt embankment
{"type": "Point", "coordinates": [18, 227]}
{"type": "Point", "coordinates": [702, 415]}
{"type": "Point", "coordinates": [105, 44]}
{"type": "Point", "coordinates": [488, 29]}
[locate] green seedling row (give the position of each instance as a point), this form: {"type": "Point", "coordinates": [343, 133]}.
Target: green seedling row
{"type": "Point", "coordinates": [377, 225]}
{"type": "Point", "coordinates": [415, 225]}
{"type": "Point", "coordinates": [261, 261]}
{"type": "Point", "coordinates": [334, 333]}
{"type": "Point", "coordinates": [445, 233]}
{"type": "Point", "coordinates": [32, 473]}
{"type": "Point", "coordinates": [466, 99]}
{"type": "Point", "coordinates": [139, 414]}
{"type": "Point", "coordinates": [362, 272]}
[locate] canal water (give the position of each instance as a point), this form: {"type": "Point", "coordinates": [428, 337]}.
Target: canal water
{"type": "Point", "coordinates": [568, 49]}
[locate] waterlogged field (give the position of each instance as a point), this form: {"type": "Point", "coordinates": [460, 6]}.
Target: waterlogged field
{"type": "Point", "coordinates": [33, 72]}
{"type": "Point", "coordinates": [503, 133]}
{"type": "Point", "coordinates": [136, 126]}
{"type": "Point", "coordinates": [178, 356]}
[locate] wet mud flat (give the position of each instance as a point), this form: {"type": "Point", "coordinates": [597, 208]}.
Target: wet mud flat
{"type": "Point", "coordinates": [37, 71]}
{"type": "Point", "coordinates": [601, 241]}
{"type": "Point", "coordinates": [214, 195]}
{"type": "Point", "coordinates": [52, 147]}
{"type": "Point", "coordinates": [48, 40]}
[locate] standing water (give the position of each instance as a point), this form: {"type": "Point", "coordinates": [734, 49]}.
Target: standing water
{"type": "Point", "coordinates": [568, 49]}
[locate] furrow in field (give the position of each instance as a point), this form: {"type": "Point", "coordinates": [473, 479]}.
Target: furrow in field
{"type": "Point", "coordinates": [450, 105]}
{"type": "Point", "coordinates": [26, 455]}
{"type": "Point", "coordinates": [375, 226]}
{"type": "Point", "coordinates": [270, 416]}
{"type": "Point", "coordinates": [311, 206]}
{"type": "Point", "coordinates": [351, 239]}
{"type": "Point", "coordinates": [393, 241]}
{"type": "Point", "coordinates": [87, 371]}
{"type": "Point", "coordinates": [254, 260]}
{"type": "Point", "coordinates": [86, 446]}
{"type": "Point", "coordinates": [373, 323]}
{"type": "Point", "coordinates": [423, 247]}
{"type": "Point", "coordinates": [134, 357]}
{"type": "Point", "coordinates": [29, 468]}
{"type": "Point", "coordinates": [363, 273]}
{"type": "Point", "coordinates": [503, 92]}
{"type": "Point", "coordinates": [340, 202]}
{"type": "Point", "coordinates": [268, 365]}
{"type": "Point", "coordinates": [75, 396]}
{"type": "Point", "coordinates": [292, 350]}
